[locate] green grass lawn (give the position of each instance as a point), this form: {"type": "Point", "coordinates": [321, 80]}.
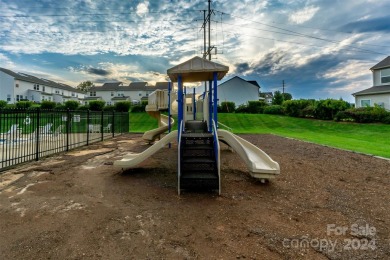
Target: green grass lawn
{"type": "Point", "coordinates": [365, 138]}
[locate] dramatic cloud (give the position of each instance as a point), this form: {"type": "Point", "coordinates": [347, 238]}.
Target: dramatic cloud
{"type": "Point", "coordinates": [100, 72]}
{"type": "Point", "coordinates": [303, 15]}
{"type": "Point", "coordinates": [319, 48]}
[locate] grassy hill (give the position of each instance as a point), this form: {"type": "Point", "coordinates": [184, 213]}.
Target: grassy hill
{"type": "Point", "coordinates": [365, 138]}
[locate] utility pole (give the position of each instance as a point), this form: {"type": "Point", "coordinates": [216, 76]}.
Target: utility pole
{"type": "Point", "coordinates": [283, 86]}
{"type": "Point", "coordinates": [209, 18]}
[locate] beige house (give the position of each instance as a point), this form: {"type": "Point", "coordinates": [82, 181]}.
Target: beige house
{"type": "Point", "coordinates": [379, 94]}
{"type": "Point", "coordinates": [114, 92]}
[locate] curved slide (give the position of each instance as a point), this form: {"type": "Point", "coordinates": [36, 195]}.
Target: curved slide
{"type": "Point", "coordinates": [260, 165]}
{"type": "Point", "coordinates": [152, 135]}
{"type": "Point", "coordinates": [132, 160]}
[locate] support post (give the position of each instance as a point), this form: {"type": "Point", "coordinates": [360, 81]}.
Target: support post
{"type": "Point", "coordinates": [180, 101]}
{"type": "Point", "coordinates": [169, 107]}
{"type": "Point", "coordinates": [215, 99]}
{"type": "Point", "coordinates": [88, 123]}
{"type": "Point", "coordinates": [194, 105]}
{"type": "Point", "coordinates": [210, 106]}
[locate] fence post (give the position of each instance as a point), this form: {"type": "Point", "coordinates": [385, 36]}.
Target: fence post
{"type": "Point", "coordinates": [67, 128]}
{"type": "Point", "coordinates": [37, 134]}
{"type": "Point", "coordinates": [101, 125]}
{"type": "Point", "coordinates": [88, 122]}
{"type": "Point", "coordinates": [113, 123]}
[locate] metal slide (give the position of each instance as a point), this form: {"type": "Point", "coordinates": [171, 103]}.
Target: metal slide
{"type": "Point", "coordinates": [131, 160]}
{"type": "Point", "coordinates": [260, 165]}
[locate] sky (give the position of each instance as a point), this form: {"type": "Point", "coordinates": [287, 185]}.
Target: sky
{"type": "Point", "coordinates": [320, 48]}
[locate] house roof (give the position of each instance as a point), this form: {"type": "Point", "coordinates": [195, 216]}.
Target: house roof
{"type": "Point", "coordinates": [253, 82]}
{"type": "Point", "coordinates": [111, 84]}
{"type": "Point", "coordinates": [383, 64]}
{"type": "Point", "coordinates": [374, 90]}
{"type": "Point", "coordinates": [40, 81]}
{"type": "Point", "coordinates": [162, 85]}
{"type": "Point", "coordinates": [250, 82]}
{"type": "Point", "coordinates": [197, 69]}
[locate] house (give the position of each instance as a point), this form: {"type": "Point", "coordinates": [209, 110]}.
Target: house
{"type": "Point", "coordinates": [380, 92]}
{"type": "Point", "coordinates": [267, 97]}
{"type": "Point", "coordinates": [20, 86]}
{"type": "Point", "coordinates": [114, 92]}
{"type": "Point", "coordinates": [239, 91]}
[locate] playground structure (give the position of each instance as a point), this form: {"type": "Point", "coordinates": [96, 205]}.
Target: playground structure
{"type": "Point", "coordinates": [197, 134]}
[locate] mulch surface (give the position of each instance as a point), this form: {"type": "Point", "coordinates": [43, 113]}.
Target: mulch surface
{"type": "Point", "coordinates": [325, 204]}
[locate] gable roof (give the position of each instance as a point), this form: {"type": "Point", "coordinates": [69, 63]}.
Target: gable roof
{"type": "Point", "coordinates": [383, 64]}
{"type": "Point", "coordinates": [253, 82]}
{"type": "Point", "coordinates": [40, 81]}
{"type": "Point", "coordinates": [374, 90]}
{"type": "Point", "coordinates": [197, 69]}
{"type": "Point", "coordinates": [111, 84]}
{"type": "Point", "coordinates": [250, 82]}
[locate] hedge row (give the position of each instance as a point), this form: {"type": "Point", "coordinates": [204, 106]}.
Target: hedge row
{"type": "Point", "coordinates": [328, 109]}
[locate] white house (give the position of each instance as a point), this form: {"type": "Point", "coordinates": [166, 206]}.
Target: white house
{"type": "Point", "coordinates": [116, 91]}
{"type": "Point", "coordinates": [239, 91]}
{"type": "Point", "coordinates": [20, 86]}
{"type": "Point", "coordinates": [380, 92]}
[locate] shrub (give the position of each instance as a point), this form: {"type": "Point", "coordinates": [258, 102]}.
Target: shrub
{"type": "Point", "coordinates": [296, 107]}
{"type": "Point", "coordinates": [48, 104]}
{"type": "Point", "coordinates": [364, 115]}
{"type": "Point", "coordinates": [227, 107]}
{"type": "Point", "coordinates": [328, 108]}
{"type": "Point", "coordinates": [3, 103]}
{"type": "Point", "coordinates": [96, 105]}
{"type": "Point", "coordinates": [23, 104]}
{"type": "Point", "coordinates": [256, 107]}
{"type": "Point", "coordinates": [60, 107]}
{"type": "Point", "coordinates": [109, 108]}
{"type": "Point", "coordinates": [123, 106]}
{"type": "Point", "coordinates": [242, 109]}
{"type": "Point", "coordinates": [83, 108]}
{"type": "Point", "coordinates": [71, 105]}
{"type": "Point", "coordinates": [386, 119]}
{"type": "Point", "coordinates": [139, 108]}
{"type": "Point", "coordinates": [274, 110]}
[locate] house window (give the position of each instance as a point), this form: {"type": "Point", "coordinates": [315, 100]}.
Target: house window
{"type": "Point", "coordinates": [17, 85]}
{"type": "Point", "coordinates": [43, 88]}
{"type": "Point", "coordinates": [139, 94]}
{"type": "Point", "coordinates": [381, 104]}
{"type": "Point", "coordinates": [8, 98]}
{"type": "Point", "coordinates": [36, 87]}
{"type": "Point", "coordinates": [385, 76]}
{"type": "Point", "coordinates": [92, 93]}
{"type": "Point", "coordinates": [73, 94]}
{"type": "Point", "coordinates": [17, 98]}
{"type": "Point", "coordinates": [112, 93]}
{"type": "Point", "coordinates": [365, 103]}
{"type": "Point", "coordinates": [57, 92]}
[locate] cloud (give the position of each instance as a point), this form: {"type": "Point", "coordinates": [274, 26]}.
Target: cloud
{"type": "Point", "coordinates": [6, 62]}
{"type": "Point", "coordinates": [100, 72]}
{"type": "Point", "coordinates": [303, 15]}
{"type": "Point", "coordinates": [142, 8]}
{"type": "Point", "coordinates": [379, 24]}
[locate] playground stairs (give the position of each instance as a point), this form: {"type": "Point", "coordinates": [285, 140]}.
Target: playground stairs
{"type": "Point", "coordinates": [198, 163]}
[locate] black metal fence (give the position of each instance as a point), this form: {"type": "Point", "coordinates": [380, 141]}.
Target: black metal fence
{"type": "Point", "coordinates": [29, 134]}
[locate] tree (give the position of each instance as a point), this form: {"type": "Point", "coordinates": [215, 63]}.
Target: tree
{"type": "Point", "coordinates": [278, 98]}
{"type": "Point", "coordinates": [286, 96]}
{"type": "Point", "coordinates": [85, 86]}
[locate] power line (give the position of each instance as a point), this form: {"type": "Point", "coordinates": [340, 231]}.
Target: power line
{"type": "Point", "coordinates": [293, 32]}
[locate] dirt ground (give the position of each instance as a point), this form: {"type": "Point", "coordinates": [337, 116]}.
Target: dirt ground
{"type": "Point", "coordinates": [326, 204]}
